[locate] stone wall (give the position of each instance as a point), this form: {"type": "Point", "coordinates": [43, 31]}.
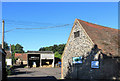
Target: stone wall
{"type": "Point", "coordinates": [79, 46]}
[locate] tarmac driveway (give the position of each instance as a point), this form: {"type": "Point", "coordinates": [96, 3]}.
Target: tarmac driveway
{"type": "Point", "coordinates": [43, 73]}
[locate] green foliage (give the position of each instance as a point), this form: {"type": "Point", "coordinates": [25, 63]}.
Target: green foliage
{"type": "Point", "coordinates": [9, 70]}
{"type": "Point", "coordinates": [54, 48]}
{"type": "Point", "coordinates": [13, 57]}
{"type": "Point", "coordinates": [13, 48]}
{"type": "Point", "coordinates": [57, 55]}
{"type": "Point", "coordinates": [16, 49]}
{"type": "Point", "coordinates": [57, 49]}
{"type": "Point", "coordinates": [6, 47]}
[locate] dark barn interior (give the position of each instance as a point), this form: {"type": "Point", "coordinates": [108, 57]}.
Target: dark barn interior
{"type": "Point", "coordinates": [33, 58]}
{"type": "Point", "coordinates": [46, 62]}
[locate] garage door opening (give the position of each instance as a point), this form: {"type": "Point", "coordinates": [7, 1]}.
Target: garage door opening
{"type": "Point", "coordinates": [40, 59]}
{"type": "Point", "coordinates": [33, 60]}
{"type": "Point", "coordinates": [46, 62]}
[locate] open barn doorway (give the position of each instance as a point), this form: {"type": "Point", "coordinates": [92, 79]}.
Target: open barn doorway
{"type": "Point", "coordinates": [34, 60]}
{"type": "Point", "coordinates": [40, 59]}
{"type": "Point", "coordinates": [47, 63]}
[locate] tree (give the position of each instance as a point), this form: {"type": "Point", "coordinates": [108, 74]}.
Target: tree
{"type": "Point", "coordinates": [57, 55]}
{"type": "Point", "coordinates": [55, 48]}
{"type": "Point", "coordinates": [13, 53]}
{"type": "Point", "coordinates": [42, 49]}
{"type": "Point", "coordinates": [19, 49]}
{"type": "Point", "coordinates": [13, 48]}
{"type": "Point", "coordinates": [6, 47]}
{"type": "Point", "coordinates": [16, 49]}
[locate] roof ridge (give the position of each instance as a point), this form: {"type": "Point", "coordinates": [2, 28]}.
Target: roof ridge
{"type": "Point", "coordinates": [39, 51]}
{"type": "Point", "coordinates": [96, 24]}
{"type": "Point", "coordinates": [44, 51]}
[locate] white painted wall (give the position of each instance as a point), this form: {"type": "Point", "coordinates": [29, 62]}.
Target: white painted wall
{"type": "Point", "coordinates": [9, 61]}
{"type": "Point", "coordinates": [47, 56]}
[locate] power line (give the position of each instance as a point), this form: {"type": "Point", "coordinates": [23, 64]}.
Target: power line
{"type": "Point", "coordinates": [9, 30]}
{"type": "Point", "coordinates": [46, 27]}
{"type": "Point", "coordinates": [19, 22]}
{"type": "Point", "coordinates": [38, 28]}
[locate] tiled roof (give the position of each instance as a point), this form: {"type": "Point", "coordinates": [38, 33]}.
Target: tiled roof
{"type": "Point", "coordinates": [104, 37]}
{"type": "Point", "coordinates": [40, 52]}
{"type": "Point", "coordinates": [22, 56]}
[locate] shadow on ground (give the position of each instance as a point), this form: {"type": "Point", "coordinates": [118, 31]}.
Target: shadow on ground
{"type": "Point", "coordinates": [18, 73]}
{"type": "Point", "coordinates": [48, 78]}
{"type": "Point", "coordinates": [19, 66]}
{"type": "Point", "coordinates": [31, 78]}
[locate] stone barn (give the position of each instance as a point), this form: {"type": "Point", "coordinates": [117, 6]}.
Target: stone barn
{"type": "Point", "coordinates": [91, 52]}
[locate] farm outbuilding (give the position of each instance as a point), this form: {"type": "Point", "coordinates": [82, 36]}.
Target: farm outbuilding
{"type": "Point", "coordinates": [91, 52]}
{"type": "Point", "coordinates": [21, 58]}
{"type": "Point", "coordinates": [40, 59]}
{"type": "Point", "coordinates": [8, 58]}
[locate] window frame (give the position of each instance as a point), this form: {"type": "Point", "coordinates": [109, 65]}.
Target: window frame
{"type": "Point", "coordinates": [76, 34]}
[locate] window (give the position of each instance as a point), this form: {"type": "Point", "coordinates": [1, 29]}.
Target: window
{"type": "Point", "coordinates": [76, 34]}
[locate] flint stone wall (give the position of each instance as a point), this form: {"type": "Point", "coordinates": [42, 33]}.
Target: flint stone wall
{"type": "Point", "coordinates": [79, 46]}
